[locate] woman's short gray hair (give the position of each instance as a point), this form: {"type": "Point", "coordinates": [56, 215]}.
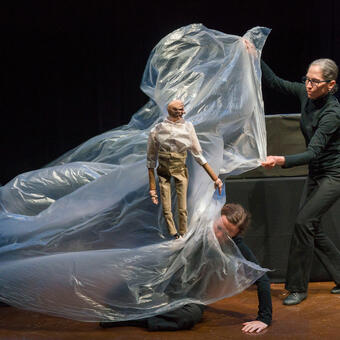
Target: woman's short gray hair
{"type": "Point", "coordinates": [329, 70]}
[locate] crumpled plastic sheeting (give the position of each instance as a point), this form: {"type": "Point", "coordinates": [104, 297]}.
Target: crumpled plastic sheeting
{"type": "Point", "coordinates": [81, 238]}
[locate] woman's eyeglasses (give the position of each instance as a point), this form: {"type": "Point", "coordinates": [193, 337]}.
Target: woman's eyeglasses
{"type": "Point", "coordinates": [314, 82]}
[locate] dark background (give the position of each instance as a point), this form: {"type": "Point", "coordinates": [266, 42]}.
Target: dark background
{"type": "Point", "coordinates": [71, 69]}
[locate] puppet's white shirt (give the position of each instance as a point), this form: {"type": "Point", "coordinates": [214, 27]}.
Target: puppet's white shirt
{"type": "Point", "coordinates": [169, 136]}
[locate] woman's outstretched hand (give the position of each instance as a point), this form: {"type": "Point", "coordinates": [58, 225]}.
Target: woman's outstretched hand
{"type": "Point", "coordinates": [271, 161]}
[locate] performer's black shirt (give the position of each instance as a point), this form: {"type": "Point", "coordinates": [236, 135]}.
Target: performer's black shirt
{"type": "Point", "coordinates": [319, 123]}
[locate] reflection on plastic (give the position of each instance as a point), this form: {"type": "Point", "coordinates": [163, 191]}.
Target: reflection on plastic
{"type": "Point", "coordinates": [81, 239]}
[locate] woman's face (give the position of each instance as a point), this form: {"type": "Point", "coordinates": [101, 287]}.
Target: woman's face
{"type": "Point", "coordinates": [316, 86]}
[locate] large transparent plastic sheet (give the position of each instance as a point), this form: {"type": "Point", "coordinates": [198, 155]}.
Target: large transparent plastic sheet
{"type": "Point", "coordinates": [81, 238]}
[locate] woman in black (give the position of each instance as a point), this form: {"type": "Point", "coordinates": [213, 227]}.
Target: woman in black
{"type": "Point", "coordinates": [320, 125]}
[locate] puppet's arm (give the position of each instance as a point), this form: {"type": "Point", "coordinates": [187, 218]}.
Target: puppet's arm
{"type": "Point", "coordinates": [218, 183]}
{"type": "Point", "coordinates": [196, 151]}
{"type": "Point", "coordinates": [152, 186]}
{"type": "Point", "coordinates": [152, 151]}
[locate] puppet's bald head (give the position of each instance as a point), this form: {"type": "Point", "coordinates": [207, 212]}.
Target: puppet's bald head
{"type": "Point", "coordinates": [176, 110]}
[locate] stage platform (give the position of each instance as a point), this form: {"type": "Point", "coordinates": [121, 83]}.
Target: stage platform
{"type": "Point", "coordinates": [318, 317]}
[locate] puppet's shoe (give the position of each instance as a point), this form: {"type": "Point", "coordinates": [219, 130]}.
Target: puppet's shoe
{"type": "Point", "coordinates": [294, 298]}
{"type": "Point", "coordinates": [176, 236]}
{"type": "Point", "coordinates": [336, 289]}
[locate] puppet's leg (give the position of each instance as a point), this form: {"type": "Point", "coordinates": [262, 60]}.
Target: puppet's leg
{"type": "Point", "coordinates": [181, 180]}
{"type": "Point", "coordinates": [165, 190]}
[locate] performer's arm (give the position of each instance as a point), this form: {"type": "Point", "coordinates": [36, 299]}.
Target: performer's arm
{"type": "Point", "coordinates": [272, 81]}
{"type": "Point", "coordinates": [264, 316]}
{"type": "Point", "coordinates": [328, 124]}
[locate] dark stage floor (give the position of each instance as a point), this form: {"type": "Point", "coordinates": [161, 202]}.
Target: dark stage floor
{"type": "Point", "coordinates": [318, 317]}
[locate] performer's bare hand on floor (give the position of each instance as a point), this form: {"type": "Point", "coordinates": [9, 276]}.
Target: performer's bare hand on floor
{"type": "Point", "coordinates": [254, 326]}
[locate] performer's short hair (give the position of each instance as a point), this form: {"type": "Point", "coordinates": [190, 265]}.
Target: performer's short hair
{"type": "Point", "coordinates": [237, 215]}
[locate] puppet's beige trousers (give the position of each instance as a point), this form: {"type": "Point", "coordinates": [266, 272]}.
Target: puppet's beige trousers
{"type": "Point", "coordinates": [172, 164]}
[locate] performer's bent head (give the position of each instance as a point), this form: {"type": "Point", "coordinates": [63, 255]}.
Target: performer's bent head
{"type": "Point", "coordinates": [234, 221]}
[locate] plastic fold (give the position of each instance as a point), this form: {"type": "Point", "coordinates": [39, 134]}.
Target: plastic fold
{"type": "Point", "coordinates": [81, 238]}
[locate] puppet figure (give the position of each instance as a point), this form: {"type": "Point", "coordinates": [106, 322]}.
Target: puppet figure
{"type": "Point", "coordinates": [168, 143]}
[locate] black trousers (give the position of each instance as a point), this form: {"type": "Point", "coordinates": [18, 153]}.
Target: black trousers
{"type": "Point", "coordinates": [184, 317]}
{"type": "Point", "coordinates": [308, 237]}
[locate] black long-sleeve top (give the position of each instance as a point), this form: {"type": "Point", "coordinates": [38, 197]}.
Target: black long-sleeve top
{"type": "Point", "coordinates": [319, 123]}
{"type": "Point", "coordinates": [263, 285]}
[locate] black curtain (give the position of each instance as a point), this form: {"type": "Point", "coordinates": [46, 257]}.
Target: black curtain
{"type": "Point", "coordinates": [71, 69]}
